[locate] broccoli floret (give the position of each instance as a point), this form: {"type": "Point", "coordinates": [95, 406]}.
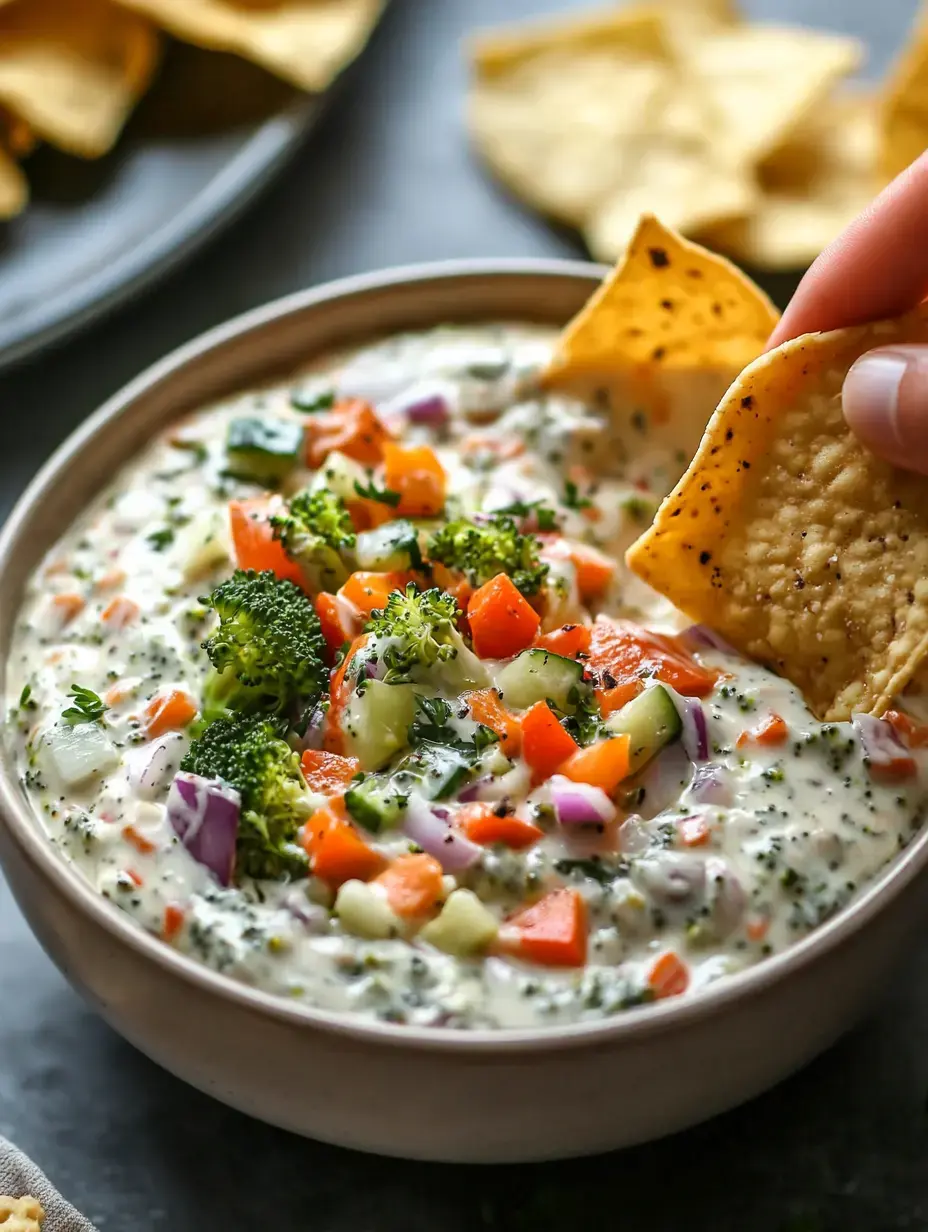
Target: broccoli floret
{"type": "Point", "coordinates": [481, 552]}
{"type": "Point", "coordinates": [267, 653]}
{"type": "Point", "coordinates": [415, 637]}
{"type": "Point", "coordinates": [316, 531]}
{"type": "Point", "coordinates": [248, 754]}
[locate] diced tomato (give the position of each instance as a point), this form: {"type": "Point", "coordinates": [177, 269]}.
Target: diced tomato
{"type": "Point", "coordinates": [770, 731]}
{"type": "Point", "coordinates": [668, 976]}
{"type": "Point", "coordinates": [568, 640]}
{"type": "Point", "coordinates": [485, 705]}
{"type": "Point", "coordinates": [604, 764]}
{"type": "Point", "coordinates": [328, 773]}
{"type": "Point", "coordinates": [552, 931]}
{"type": "Point", "coordinates": [253, 538]}
{"type": "Point", "coordinates": [482, 823]}
{"type": "Point", "coordinates": [413, 885]}
{"type": "Point", "coordinates": [351, 427]}
{"type": "Point", "coordinates": [416, 473]}
{"type": "Point", "coordinates": [626, 651]}
{"type": "Point", "coordinates": [502, 622]}
{"type": "Point", "coordinates": [545, 744]}
{"type": "Point", "coordinates": [332, 620]}
{"type": "Point", "coordinates": [337, 851]}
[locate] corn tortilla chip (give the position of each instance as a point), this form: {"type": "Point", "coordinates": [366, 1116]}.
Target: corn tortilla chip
{"type": "Point", "coordinates": [14, 191]}
{"type": "Point", "coordinates": [803, 549]}
{"type": "Point", "coordinates": [306, 42]}
{"type": "Point", "coordinates": [904, 120]}
{"type": "Point", "coordinates": [73, 69]}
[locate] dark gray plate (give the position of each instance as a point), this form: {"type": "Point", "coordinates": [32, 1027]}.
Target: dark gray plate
{"type": "Point", "coordinates": [210, 134]}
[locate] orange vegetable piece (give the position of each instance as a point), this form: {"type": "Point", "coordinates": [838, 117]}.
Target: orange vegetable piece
{"type": "Point", "coordinates": [110, 580]}
{"type": "Point", "coordinates": [913, 734]}
{"type": "Point", "coordinates": [486, 707]}
{"type": "Point", "coordinates": [769, 731]}
{"type": "Point", "coordinates": [351, 427]}
{"type": "Point", "coordinates": [568, 640]}
{"type": "Point", "coordinates": [370, 591]}
{"type": "Point", "coordinates": [337, 851]}
{"type": "Point", "coordinates": [413, 884]}
{"type": "Point", "coordinates": [68, 606]}
{"type": "Point", "coordinates": [613, 698]}
{"type": "Point", "coordinates": [668, 976]}
{"type": "Point", "coordinates": [168, 710]}
{"type": "Point", "coordinates": [418, 476]}
{"type": "Point", "coordinates": [328, 773]}
{"type": "Point", "coordinates": [254, 542]}
{"type": "Point", "coordinates": [367, 514]}
{"type": "Point", "coordinates": [138, 840]}
{"type": "Point", "coordinates": [173, 921]}
{"type": "Point", "coordinates": [595, 570]}
{"type": "Point", "coordinates": [693, 831]}
{"type": "Point", "coordinates": [333, 623]}
{"type": "Point", "coordinates": [627, 651]}
{"type": "Point", "coordinates": [452, 583]}
{"type": "Point", "coordinates": [339, 693]}
{"type": "Point", "coordinates": [502, 622]}
{"type": "Point", "coordinates": [136, 878]}
{"type": "Point", "coordinates": [757, 928]}
{"type": "Point", "coordinates": [481, 823]}
{"type": "Point", "coordinates": [552, 931]}
{"type": "Point", "coordinates": [120, 612]}
{"type": "Point", "coordinates": [604, 764]}
{"type": "Point", "coordinates": [545, 744]}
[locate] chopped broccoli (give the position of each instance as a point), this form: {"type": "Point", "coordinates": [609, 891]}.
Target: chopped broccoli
{"type": "Point", "coordinates": [267, 653]}
{"type": "Point", "coordinates": [316, 531]}
{"type": "Point", "coordinates": [482, 551]}
{"type": "Point", "coordinates": [415, 635]}
{"type": "Point", "coordinates": [248, 754]}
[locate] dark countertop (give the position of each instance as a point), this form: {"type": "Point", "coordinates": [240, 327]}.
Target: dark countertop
{"type": "Point", "coordinates": [843, 1145]}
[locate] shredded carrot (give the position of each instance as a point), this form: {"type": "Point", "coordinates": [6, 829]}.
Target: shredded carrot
{"type": "Point", "coordinates": [68, 606]}
{"type": "Point", "coordinates": [168, 710]}
{"type": "Point", "coordinates": [138, 840]}
{"type": "Point", "coordinates": [693, 831]}
{"type": "Point", "coordinates": [253, 538]}
{"type": "Point", "coordinates": [502, 622]}
{"type": "Point", "coordinates": [351, 427]}
{"type": "Point", "coordinates": [337, 851]}
{"type": "Point", "coordinates": [569, 640]}
{"type": "Point", "coordinates": [668, 976]}
{"type": "Point", "coordinates": [552, 931]}
{"type": "Point", "coordinates": [413, 884]}
{"type": "Point", "coordinates": [173, 921]}
{"type": "Point", "coordinates": [418, 476]}
{"type": "Point", "coordinates": [485, 705]}
{"type": "Point", "coordinates": [545, 744]}
{"type": "Point", "coordinates": [770, 731]}
{"type": "Point", "coordinates": [120, 612]}
{"type": "Point", "coordinates": [134, 877]}
{"type": "Point", "coordinates": [604, 764]}
{"type": "Point", "coordinates": [328, 773]}
{"type": "Point", "coordinates": [482, 823]}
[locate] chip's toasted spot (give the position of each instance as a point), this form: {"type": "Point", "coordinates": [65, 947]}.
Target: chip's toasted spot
{"type": "Point", "coordinates": [819, 549]}
{"type": "Point", "coordinates": [659, 258]}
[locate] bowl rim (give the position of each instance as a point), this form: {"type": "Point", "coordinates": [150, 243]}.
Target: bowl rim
{"type": "Point", "coordinates": [626, 1026]}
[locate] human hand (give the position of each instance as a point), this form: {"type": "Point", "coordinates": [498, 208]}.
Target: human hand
{"type": "Point", "coordinates": [877, 268]}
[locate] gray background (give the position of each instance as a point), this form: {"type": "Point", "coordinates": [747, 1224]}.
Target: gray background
{"type": "Point", "coordinates": [844, 1145]}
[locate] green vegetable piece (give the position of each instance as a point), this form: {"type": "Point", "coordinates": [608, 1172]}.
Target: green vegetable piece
{"type": "Point", "coordinates": [88, 706]}
{"type": "Point", "coordinates": [263, 449]}
{"type": "Point", "coordinates": [316, 531]}
{"type": "Point", "coordinates": [650, 720]}
{"type": "Point", "coordinates": [482, 551]}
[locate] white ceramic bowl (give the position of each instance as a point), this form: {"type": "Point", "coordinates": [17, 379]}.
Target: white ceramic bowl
{"type": "Point", "coordinates": [429, 1094]}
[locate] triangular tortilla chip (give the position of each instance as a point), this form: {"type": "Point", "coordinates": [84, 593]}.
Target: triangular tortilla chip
{"type": "Point", "coordinates": [307, 42]}
{"type": "Point", "coordinates": [14, 191]}
{"type": "Point", "coordinates": [73, 69]}
{"type": "Point", "coordinates": [804, 550]}
{"type": "Point", "coordinates": [905, 106]}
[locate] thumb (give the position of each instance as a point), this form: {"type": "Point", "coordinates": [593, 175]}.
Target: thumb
{"type": "Point", "coordinates": [885, 400]}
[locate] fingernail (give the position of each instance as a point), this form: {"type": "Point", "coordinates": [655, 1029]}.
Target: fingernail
{"type": "Point", "coordinates": [871, 398]}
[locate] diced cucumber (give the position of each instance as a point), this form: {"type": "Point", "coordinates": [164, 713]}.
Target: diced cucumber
{"type": "Point", "coordinates": [464, 927]}
{"type": "Point", "coordinates": [377, 720]}
{"type": "Point", "coordinates": [203, 544]}
{"type": "Point", "coordinates": [438, 771]}
{"type": "Point", "coordinates": [338, 475]}
{"type": "Point", "coordinates": [538, 675]}
{"type": "Point", "coordinates": [393, 546]}
{"type": "Point", "coordinates": [433, 770]}
{"type": "Point", "coordinates": [375, 803]}
{"type": "Point", "coordinates": [263, 449]}
{"type": "Point", "coordinates": [650, 720]}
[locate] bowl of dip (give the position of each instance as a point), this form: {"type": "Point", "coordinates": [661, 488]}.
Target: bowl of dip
{"type": "Point", "coordinates": [554, 878]}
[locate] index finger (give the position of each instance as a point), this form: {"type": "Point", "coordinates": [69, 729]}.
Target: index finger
{"type": "Point", "coordinates": [878, 267]}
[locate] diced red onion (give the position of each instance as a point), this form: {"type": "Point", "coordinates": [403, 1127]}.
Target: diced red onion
{"type": "Point", "coordinates": [152, 765]}
{"type": "Point", "coordinates": [578, 804]}
{"type": "Point", "coordinates": [882, 747]}
{"type": "Point", "coordinates": [701, 637]}
{"type": "Point", "coordinates": [472, 791]}
{"type": "Point", "coordinates": [313, 916]}
{"type": "Point", "coordinates": [432, 410]}
{"type": "Point", "coordinates": [205, 816]}
{"type": "Point", "coordinates": [313, 735]}
{"type": "Point", "coordinates": [695, 733]}
{"type": "Point", "coordinates": [710, 785]}
{"type": "Point", "coordinates": [436, 836]}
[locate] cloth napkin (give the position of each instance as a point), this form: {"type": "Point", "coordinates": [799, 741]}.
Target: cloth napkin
{"type": "Point", "coordinates": [20, 1176]}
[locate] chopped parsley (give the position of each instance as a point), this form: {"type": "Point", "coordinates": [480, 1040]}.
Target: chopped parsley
{"type": "Point", "coordinates": [572, 498]}
{"type": "Point", "coordinates": [158, 540]}
{"type": "Point", "coordinates": [384, 496]}
{"type": "Point", "coordinates": [87, 708]}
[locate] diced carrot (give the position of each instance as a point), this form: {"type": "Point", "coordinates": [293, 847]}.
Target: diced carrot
{"type": "Point", "coordinates": [545, 744]}
{"type": "Point", "coordinates": [913, 734]}
{"type": "Point", "coordinates": [337, 851]}
{"type": "Point", "coordinates": [568, 640]}
{"type": "Point", "coordinates": [418, 476]}
{"type": "Point", "coordinates": [502, 622]}
{"type": "Point", "coordinates": [482, 823]}
{"type": "Point", "coordinates": [173, 921]}
{"type": "Point", "coordinates": [757, 927]}
{"type": "Point", "coordinates": [604, 764]}
{"type": "Point", "coordinates": [333, 623]}
{"type": "Point", "coordinates": [110, 580]}
{"type": "Point", "coordinates": [328, 773]}
{"type": "Point", "coordinates": [254, 542]}
{"type": "Point", "coordinates": [453, 583]}
{"type": "Point", "coordinates": [339, 693]}
{"type": "Point", "coordinates": [413, 884]}
{"type": "Point", "coordinates": [770, 731]}
{"type": "Point", "coordinates": [68, 606]}
{"type": "Point", "coordinates": [552, 931]}
{"type": "Point", "coordinates": [120, 612]}
{"type": "Point", "coordinates": [367, 514]}
{"type": "Point", "coordinates": [169, 710]}
{"type": "Point", "coordinates": [614, 697]}
{"type": "Point", "coordinates": [668, 975]}
{"type": "Point", "coordinates": [894, 769]}
{"type": "Point", "coordinates": [485, 705]}
{"type": "Point", "coordinates": [136, 878]}
{"type": "Point", "coordinates": [594, 569]}
{"type": "Point", "coordinates": [351, 427]}
{"type": "Point", "coordinates": [693, 831]}
{"type": "Point", "coordinates": [119, 692]}
{"type": "Point", "coordinates": [369, 592]}
{"type": "Point", "coordinates": [138, 840]}
{"type": "Point", "coordinates": [627, 651]}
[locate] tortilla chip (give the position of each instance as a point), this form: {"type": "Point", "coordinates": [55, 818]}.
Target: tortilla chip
{"type": "Point", "coordinates": [803, 549]}
{"type": "Point", "coordinates": [810, 188]}
{"type": "Point", "coordinates": [73, 69]}
{"type": "Point", "coordinates": [14, 190]}
{"type": "Point", "coordinates": [904, 121]}
{"type": "Point", "coordinates": [307, 42]}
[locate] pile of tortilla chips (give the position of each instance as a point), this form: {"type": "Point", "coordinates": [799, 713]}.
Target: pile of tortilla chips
{"type": "Point", "coordinates": [744, 136]}
{"type": "Point", "coordinates": [71, 71]}
{"type": "Point", "coordinates": [804, 550]}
